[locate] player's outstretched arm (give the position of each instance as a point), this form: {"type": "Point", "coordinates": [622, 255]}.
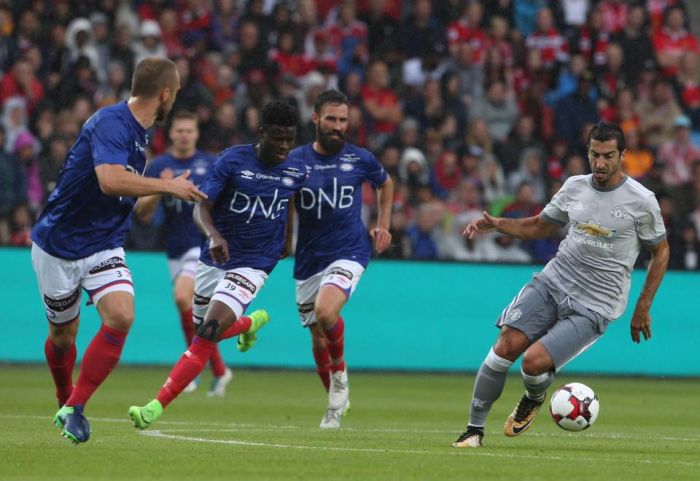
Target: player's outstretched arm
{"type": "Point", "coordinates": [526, 229]}
{"type": "Point", "coordinates": [641, 319]}
{"type": "Point", "coordinates": [115, 180]}
{"type": "Point", "coordinates": [218, 247]}
{"type": "Point", "coordinates": [381, 237]}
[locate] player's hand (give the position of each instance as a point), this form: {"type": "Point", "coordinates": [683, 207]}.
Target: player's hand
{"type": "Point", "coordinates": [183, 189]}
{"type": "Point", "coordinates": [640, 323]}
{"type": "Point", "coordinates": [218, 249]}
{"type": "Point", "coordinates": [167, 174]}
{"type": "Point", "coordinates": [481, 225]}
{"type": "Point", "coordinates": [381, 238]}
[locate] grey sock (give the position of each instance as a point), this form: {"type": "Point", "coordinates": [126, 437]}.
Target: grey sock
{"type": "Point", "coordinates": [488, 386]}
{"type": "Point", "coordinates": [536, 386]}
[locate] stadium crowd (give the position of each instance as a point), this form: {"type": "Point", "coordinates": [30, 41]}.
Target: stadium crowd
{"type": "Point", "coordinates": [468, 105]}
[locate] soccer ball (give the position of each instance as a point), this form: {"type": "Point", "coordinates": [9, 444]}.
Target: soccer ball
{"type": "Point", "coordinates": [574, 407]}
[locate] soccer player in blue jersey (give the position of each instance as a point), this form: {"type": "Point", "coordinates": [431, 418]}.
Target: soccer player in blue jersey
{"type": "Point", "coordinates": [333, 247]}
{"type": "Point", "coordinates": [79, 236]}
{"type": "Point", "coordinates": [244, 221]}
{"type": "Point", "coordinates": [182, 238]}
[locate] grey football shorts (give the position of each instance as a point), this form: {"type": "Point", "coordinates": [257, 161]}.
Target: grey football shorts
{"type": "Point", "coordinates": [563, 326]}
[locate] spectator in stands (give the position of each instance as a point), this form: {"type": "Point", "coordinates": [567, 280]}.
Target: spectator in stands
{"type": "Point", "coordinates": [531, 169]}
{"type": "Point", "coordinates": [656, 115]}
{"type": "Point", "coordinates": [687, 86]}
{"type": "Point", "coordinates": [21, 82]}
{"type": "Point", "coordinates": [522, 136]}
{"type": "Point", "coordinates": [638, 159]}
{"type": "Point", "coordinates": [575, 110]}
{"type": "Point", "coordinates": [380, 101]}
{"type": "Point", "coordinates": [26, 149]}
{"type": "Point", "coordinates": [22, 222]}
{"type": "Point", "coordinates": [678, 154]}
{"type": "Point", "coordinates": [469, 74]}
{"type": "Point", "coordinates": [637, 48]}
{"type": "Point", "coordinates": [13, 188]}
{"type": "Point", "coordinates": [14, 120]}
{"type": "Point", "coordinates": [685, 251]}
{"type": "Point", "coordinates": [548, 41]}
{"type": "Point", "coordinates": [51, 161]}
{"type": "Point", "coordinates": [150, 43]}
{"type": "Point", "coordinates": [673, 40]}
{"type": "Point", "coordinates": [422, 244]}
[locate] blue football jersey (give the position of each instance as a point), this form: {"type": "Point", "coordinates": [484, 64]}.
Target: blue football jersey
{"type": "Point", "coordinates": [329, 207]}
{"type": "Point", "coordinates": [250, 206]}
{"type": "Point", "coordinates": [181, 233]}
{"type": "Point", "coordinates": [79, 220]}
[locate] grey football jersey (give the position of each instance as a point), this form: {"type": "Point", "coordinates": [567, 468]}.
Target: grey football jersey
{"type": "Point", "coordinates": [606, 230]}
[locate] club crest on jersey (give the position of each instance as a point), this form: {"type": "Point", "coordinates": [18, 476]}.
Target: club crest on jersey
{"type": "Point", "coordinates": [246, 174]}
{"type": "Point", "coordinates": [618, 212]}
{"type": "Point", "coordinates": [288, 181]}
{"type": "Point", "coordinates": [139, 147]}
{"type": "Point", "coordinates": [346, 167]}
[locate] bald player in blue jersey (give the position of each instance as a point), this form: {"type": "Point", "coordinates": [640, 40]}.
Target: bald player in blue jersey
{"type": "Point", "coordinates": [333, 247]}
{"type": "Point", "coordinates": [244, 222]}
{"type": "Point", "coordinates": [79, 236]}
{"type": "Point", "coordinates": [183, 240]}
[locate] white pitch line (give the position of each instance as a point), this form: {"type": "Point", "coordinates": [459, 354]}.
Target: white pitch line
{"type": "Point", "coordinates": [461, 452]}
{"type": "Point", "coordinates": [267, 427]}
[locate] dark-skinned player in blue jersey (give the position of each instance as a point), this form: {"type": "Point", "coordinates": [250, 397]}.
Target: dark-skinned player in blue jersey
{"type": "Point", "coordinates": [79, 236]}
{"type": "Point", "coordinates": [244, 220]}
{"type": "Point", "coordinates": [183, 241]}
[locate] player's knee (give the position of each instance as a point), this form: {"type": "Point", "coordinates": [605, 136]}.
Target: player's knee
{"type": "Point", "coordinates": [510, 344]}
{"type": "Point", "coordinates": [209, 329]}
{"type": "Point", "coordinates": [63, 338]}
{"type": "Point", "coordinates": [325, 316]}
{"type": "Point", "coordinates": [183, 301]}
{"type": "Point", "coordinates": [120, 318]}
{"type": "Point", "coordinates": [536, 362]}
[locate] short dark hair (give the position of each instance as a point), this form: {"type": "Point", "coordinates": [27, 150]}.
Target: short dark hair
{"type": "Point", "coordinates": [604, 131]}
{"type": "Point", "coordinates": [152, 74]}
{"type": "Point", "coordinates": [279, 113]}
{"type": "Point", "coordinates": [329, 97]}
{"type": "Point", "coordinates": [184, 115]}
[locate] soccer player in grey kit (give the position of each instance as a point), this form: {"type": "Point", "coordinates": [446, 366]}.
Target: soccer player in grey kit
{"type": "Point", "coordinates": [568, 306]}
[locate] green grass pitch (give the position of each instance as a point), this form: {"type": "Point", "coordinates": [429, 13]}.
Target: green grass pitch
{"type": "Point", "coordinates": [400, 428]}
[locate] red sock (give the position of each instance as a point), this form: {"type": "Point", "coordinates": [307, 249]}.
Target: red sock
{"type": "Point", "coordinates": [101, 356]}
{"type": "Point", "coordinates": [241, 325]}
{"type": "Point", "coordinates": [323, 366]}
{"type": "Point", "coordinates": [218, 368]}
{"type": "Point", "coordinates": [187, 325]}
{"type": "Point", "coordinates": [336, 345]}
{"type": "Point", "coordinates": [190, 365]}
{"type": "Point", "coordinates": [61, 363]}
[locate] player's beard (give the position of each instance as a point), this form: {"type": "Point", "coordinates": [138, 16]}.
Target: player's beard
{"type": "Point", "coordinates": [331, 141]}
{"type": "Point", "coordinates": [162, 112]}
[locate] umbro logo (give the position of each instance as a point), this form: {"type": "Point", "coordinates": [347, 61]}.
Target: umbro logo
{"type": "Point", "coordinates": [246, 174]}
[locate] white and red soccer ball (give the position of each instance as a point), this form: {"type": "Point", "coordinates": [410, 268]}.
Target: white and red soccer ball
{"type": "Point", "coordinates": [574, 407]}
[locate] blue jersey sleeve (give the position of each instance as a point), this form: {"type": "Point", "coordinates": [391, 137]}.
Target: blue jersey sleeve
{"type": "Point", "coordinates": [375, 172]}
{"type": "Point", "coordinates": [110, 142]}
{"type": "Point", "coordinates": [217, 178]}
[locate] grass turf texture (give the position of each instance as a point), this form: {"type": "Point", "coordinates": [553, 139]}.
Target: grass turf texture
{"type": "Point", "coordinates": [400, 428]}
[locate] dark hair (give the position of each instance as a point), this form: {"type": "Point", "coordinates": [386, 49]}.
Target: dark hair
{"type": "Point", "coordinates": [152, 74]}
{"type": "Point", "coordinates": [280, 113]}
{"type": "Point", "coordinates": [184, 115]}
{"type": "Point", "coordinates": [329, 97]}
{"type": "Point", "coordinates": [604, 131]}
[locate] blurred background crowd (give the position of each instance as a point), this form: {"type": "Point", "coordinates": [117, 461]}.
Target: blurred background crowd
{"type": "Point", "coordinates": [469, 105]}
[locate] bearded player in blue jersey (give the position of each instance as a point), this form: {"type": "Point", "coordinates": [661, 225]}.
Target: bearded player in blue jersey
{"type": "Point", "coordinates": [244, 221]}
{"type": "Point", "coordinates": [79, 236]}
{"type": "Point", "coordinates": [183, 240]}
{"type": "Point", "coordinates": [333, 247]}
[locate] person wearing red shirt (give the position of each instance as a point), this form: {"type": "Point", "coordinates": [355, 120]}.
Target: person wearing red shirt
{"type": "Point", "coordinates": [21, 82]}
{"type": "Point", "coordinates": [547, 39]}
{"type": "Point", "coordinates": [381, 102]}
{"type": "Point", "coordinates": [673, 41]}
{"type": "Point", "coordinates": [467, 28]}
